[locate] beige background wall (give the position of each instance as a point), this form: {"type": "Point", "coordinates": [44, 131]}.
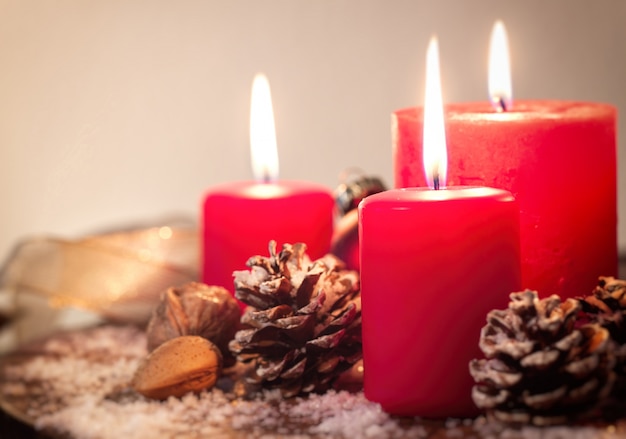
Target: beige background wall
{"type": "Point", "coordinates": [122, 111]}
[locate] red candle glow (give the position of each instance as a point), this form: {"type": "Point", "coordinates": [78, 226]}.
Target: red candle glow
{"type": "Point", "coordinates": [558, 158]}
{"type": "Point", "coordinates": [240, 218]}
{"type": "Point", "coordinates": [433, 263]}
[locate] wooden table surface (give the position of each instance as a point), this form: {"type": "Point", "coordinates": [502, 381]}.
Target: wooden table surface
{"type": "Point", "coordinates": [13, 429]}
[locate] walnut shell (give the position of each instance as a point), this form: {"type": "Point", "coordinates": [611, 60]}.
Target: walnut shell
{"type": "Point", "coordinates": [195, 309]}
{"type": "Point", "coordinates": [180, 365]}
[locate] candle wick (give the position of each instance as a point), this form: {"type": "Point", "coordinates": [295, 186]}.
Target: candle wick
{"type": "Point", "coordinates": [266, 177]}
{"type": "Point", "coordinates": [436, 182]}
{"type": "Point", "coordinates": [501, 104]}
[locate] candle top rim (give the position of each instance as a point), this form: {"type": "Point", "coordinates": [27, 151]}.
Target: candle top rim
{"type": "Point", "coordinates": [425, 194]}
{"type": "Point", "coordinates": [255, 189]}
{"type": "Point", "coordinates": [523, 110]}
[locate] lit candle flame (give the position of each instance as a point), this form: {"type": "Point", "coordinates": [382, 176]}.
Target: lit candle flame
{"type": "Point", "coordinates": [262, 131]}
{"type": "Point", "coordinates": [434, 151]}
{"type": "Point", "coordinates": [500, 90]}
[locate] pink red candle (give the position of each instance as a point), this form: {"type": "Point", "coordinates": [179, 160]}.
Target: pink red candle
{"type": "Point", "coordinates": [558, 158]}
{"type": "Point", "coordinates": [433, 263]}
{"type": "Point", "coordinates": [240, 218]}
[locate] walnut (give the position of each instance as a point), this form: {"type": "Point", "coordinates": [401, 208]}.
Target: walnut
{"type": "Point", "coordinates": [195, 309]}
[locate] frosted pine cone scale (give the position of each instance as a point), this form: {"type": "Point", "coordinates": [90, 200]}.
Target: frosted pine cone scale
{"type": "Point", "coordinates": [606, 305]}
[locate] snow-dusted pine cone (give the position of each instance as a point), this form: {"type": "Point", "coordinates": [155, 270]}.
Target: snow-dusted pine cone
{"type": "Point", "coordinates": [606, 305]}
{"type": "Point", "coordinates": [540, 367]}
{"type": "Point", "coordinates": [304, 319]}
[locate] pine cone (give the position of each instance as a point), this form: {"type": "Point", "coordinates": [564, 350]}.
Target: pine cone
{"type": "Point", "coordinates": [541, 368]}
{"type": "Point", "coordinates": [607, 306]}
{"type": "Point", "coordinates": [304, 319]}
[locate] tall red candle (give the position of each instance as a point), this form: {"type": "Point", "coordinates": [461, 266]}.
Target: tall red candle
{"type": "Point", "coordinates": [433, 263]}
{"type": "Point", "coordinates": [240, 218]}
{"type": "Point", "coordinates": [558, 158]}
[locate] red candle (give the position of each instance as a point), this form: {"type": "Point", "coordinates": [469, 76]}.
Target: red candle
{"type": "Point", "coordinates": [240, 218]}
{"type": "Point", "coordinates": [558, 158]}
{"type": "Point", "coordinates": [433, 263]}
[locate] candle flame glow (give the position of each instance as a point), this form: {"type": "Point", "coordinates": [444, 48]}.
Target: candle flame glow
{"type": "Point", "coordinates": [500, 90]}
{"type": "Point", "coordinates": [434, 152]}
{"type": "Point", "coordinates": [263, 147]}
